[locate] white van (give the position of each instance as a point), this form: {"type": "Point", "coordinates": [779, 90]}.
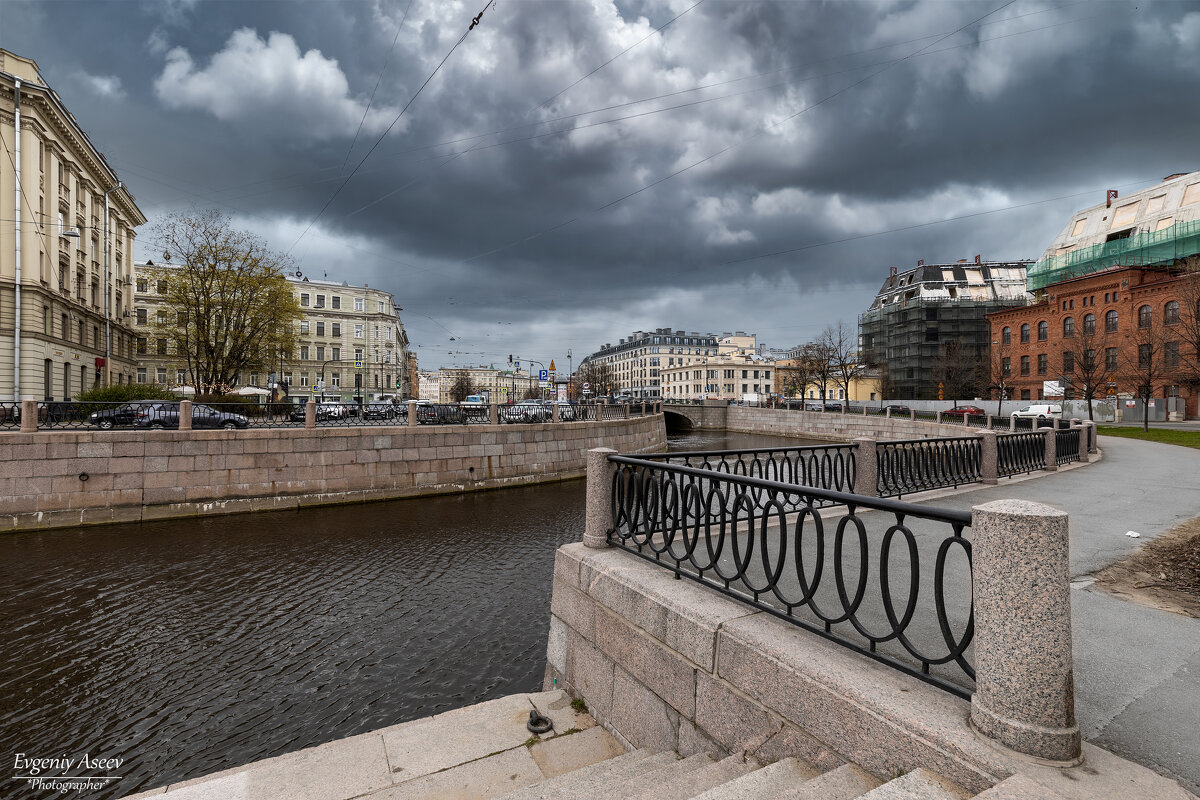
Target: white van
{"type": "Point", "coordinates": [1040, 411]}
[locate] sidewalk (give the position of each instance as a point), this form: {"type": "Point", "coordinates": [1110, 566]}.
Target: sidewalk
{"type": "Point", "coordinates": [1137, 669]}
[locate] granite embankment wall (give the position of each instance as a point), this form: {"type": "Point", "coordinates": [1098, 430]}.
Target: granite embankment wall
{"type": "Point", "coordinates": [56, 479]}
{"type": "Point", "coordinates": [832, 425]}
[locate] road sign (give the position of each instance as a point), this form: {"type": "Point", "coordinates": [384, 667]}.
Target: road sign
{"type": "Point", "coordinates": [358, 363]}
{"type": "Point", "coordinates": [543, 375]}
{"type": "Point", "coordinates": [316, 390]}
{"type": "Point", "coordinates": [552, 365]}
{"type": "Point", "coordinates": [587, 386]}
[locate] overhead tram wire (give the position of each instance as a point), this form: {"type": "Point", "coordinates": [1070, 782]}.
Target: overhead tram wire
{"type": "Point", "coordinates": [475, 21]}
{"type": "Point", "coordinates": [383, 69]}
{"type": "Point", "coordinates": [742, 141]}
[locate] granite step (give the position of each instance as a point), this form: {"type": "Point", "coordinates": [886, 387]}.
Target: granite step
{"type": "Point", "coordinates": [917, 785]}
{"type": "Point", "coordinates": [1018, 787]}
{"type": "Point", "coordinates": [701, 780]}
{"type": "Point", "coordinates": [844, 783]}
{"type": "Point", "coordinates": [763, 783]}
{"type": "Point", "coordinates": [666, 775]}
{"type": "Point", "coordinates": [593, 781]}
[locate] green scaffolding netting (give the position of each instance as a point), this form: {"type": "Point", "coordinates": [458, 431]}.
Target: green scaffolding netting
{"type": "Point", "coordinates": [1144, 249]}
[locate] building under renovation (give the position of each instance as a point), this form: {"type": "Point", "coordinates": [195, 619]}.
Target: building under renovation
{"type": "Point", "coordinates": [917, 313]}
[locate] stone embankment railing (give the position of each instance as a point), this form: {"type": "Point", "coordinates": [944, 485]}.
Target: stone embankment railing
{"type": "Point", "coordinates": [801, 633]}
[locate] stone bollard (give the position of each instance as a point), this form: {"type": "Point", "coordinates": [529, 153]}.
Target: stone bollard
{"type": "Point", "coordinates": [864, 409]}
{"type": "Point", "coordinates": [1024, 682]}
{"type": "Point", "coordinates": [29, 416]}
{"type": "Point", "coordinates": [989, 457]}
{"type": "Point", "coordinates": [185, 415]}
{"type": "Point", "coordinates": [1089, 429]}
{"type": "Point", "coordinates": [888, 413]}
{"type": "Point", "coordinates": [989, 421]}
{"type": "Point", "coordinates": [310, 414]}
{"type": "Point", "coordinates": [939, 418]}
{"type": "Point", "coordinates": [412, 413]}
{"type": "Point", "coordinates": [555, 414]}
{"type": "Point", "coordinates": [643, 408]}
{"type": "Point", "coordinates": [912, 415]}
{"type": "Point", "coordinates": [1012, 424]}
{"type": "Point", "coordinates": [866, 467]}
{"type": "Point", "coordinates": [1051, 448]}
{"type": "Point", "coordinates": [626, 410]}
{"type": "Point", "coordinates": [493, 414]}
{"type": "Point", "coordinates": [598, 501]}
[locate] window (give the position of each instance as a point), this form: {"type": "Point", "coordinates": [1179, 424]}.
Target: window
{"type": "Point", "coordinates": [1006, 335]}
{"type": "Point", "coordinates": [160, 347]}
{"type": "Point", "coordinates": [1145, 354]}
{"type": "Point", "coordinates": [304, 298]}
{"type": "Point", "coordinates": [304, 352]}
{"type": "Point", "coordinates": [1043, 331]}
{"type": "Point", "coordinates": [1043, 363]}
{"type": "Point", "coordinates": [1145, 316]}
{"type": "Point", "coordinates": [336, 329]}
{"type": "Point", "coordinates": [380, 306]}
{"type": "Point", "coordinates": [320, 329]}
{"type": "Point", "coordinates": [1089, 324]}
{"type": "Point", "coordinates": [1068, 327]}
{"type": "Point", "coordinates": [335, 302]}
{"type": "Point", "coordinates": [304, 327]}
{"type": "Point", "coordinates": [1171, 354]}
{"type": "Point", "coordinates": [743, 377]}
{"type": "Point", "coordinates": [180, 377]}
{"type": "Point", "coordinates": [304, 380]}
{"type": "Point", "coordinates": [141, 374]}
{"type": "Point", "coordinates": [1006, 366]}
{"type": "Point", "coordinates": [46, 320]}
{"type": "Point", "coordinates": [320, 301]}
{"type": "Point", "coordinates": [1110, 321]}
{"type": "Point", "coordinates": [358, 330]}
{"type": "Point", "coordinates": [162, 375]}
{"type": "Point", "coordinates": [1171, 312]}
{"type": "Point", "coordinates": [141, 345]}
{"type": "Point", "coordinates": [141, 316]}
{"type": "Point", "coordinates": [1024, 365]}
{"type": "Point", "coordinates": [358, 304]}
{"type": "Point", "coordinates": [1025, 394]}
{"type": "Point", "coordinates": [1025, 333]}
{"type": "Point", "coordinates": [358, 354]}
{"type": "Point", "coordinates": [320, 353]}
{"type": "Point", "coordinates": [1068, 362]}
{"type": "Point", "coordinates": [160, 317]}
{"type": "Point", "coordinates": [1089, 360]}
{"type": "Point", "coordinates": [335, 379]}
{"type": "Point", "coordinates": [1110, 359]}
{"type": "Point", "coordinates": [335, 354]}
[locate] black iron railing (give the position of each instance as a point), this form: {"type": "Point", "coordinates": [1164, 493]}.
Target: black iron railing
{"type": "Point", "coordinates": [10, 415]}
{"type": "Point", "coordinates": [1066, 446]}
{"type": "Point", "coordinates": [915, 465]}
{"type": "Point", "coordinates": [855, 573]}
{"type": "Point", "coordinates": [830, 467]}
{"type": "Point", "coordinates": [1019, 453]}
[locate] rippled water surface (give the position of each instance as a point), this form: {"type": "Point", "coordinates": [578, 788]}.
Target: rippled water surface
{"type": "Point", "coordinates": [189, 646]}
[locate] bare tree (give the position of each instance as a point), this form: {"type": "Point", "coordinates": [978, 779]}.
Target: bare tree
{"type": "Point", "coordinates": [599, 375]}
{"type": "Point", "coordinates": [958, 369]}
{"type": "Point", "coordinates": [841, 344]}
{"type": "Point", "coordinates": [1189, 324]}
{"type": "Point", "coordinates": [1083, 362]}
{"type": "Point", "coordinates": [1144, 358]}
{"type": "Point", "coordinates": [999, 377]}
{"type": "Point", "coordinates": [462, 388]}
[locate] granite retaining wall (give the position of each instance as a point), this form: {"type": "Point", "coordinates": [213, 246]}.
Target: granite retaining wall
{"type": "Point", "coordinates": [65, 478]}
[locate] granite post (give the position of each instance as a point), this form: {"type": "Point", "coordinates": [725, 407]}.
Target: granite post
{"type": "Point", "coordinates": [912, 415]}
{"type": "Point", "coordinates": [1089, 428]}
{"type": "Point", "coordinates": [555, 415]}
{"type": "Point", "coordinates": [1024, 682]}
{"type": "Point", "coordinates": [1051, 449]}
{"type": "Point", "coordinates": [989, 457]}
{"type": "Point", "coordinates": [1012, 424]}
{"type": "Point", "coordinates": [887, 414]}
{"type": "Point", "coordinates": [866, 467]}
{"type": "Point", "coordinates": [310, 414]}
{"type": "Point", "coordinates": [598, 503]}
{"type": "Point", "coordinates": [493, 414]}
{"type": "Point", "coordinates": [185, 415]}
{"type": "Point", "coordinates": [626, 410]}
{"type": "Point", "coordinates": [412, 413]}
{"type": "Point", "coordinates": [939, 418]}
{"type": "Point", "coordinates": [29, 416]}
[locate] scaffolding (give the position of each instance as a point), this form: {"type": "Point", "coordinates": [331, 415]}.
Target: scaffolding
{"type": "Point", "coordinates": [1155, 248]}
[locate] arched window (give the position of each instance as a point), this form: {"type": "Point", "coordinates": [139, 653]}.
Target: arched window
{"type": "Point", "coordinates": [1171, 312]}
{"type": "Point", "coordinates": [1043, 330]}
{"type": "Point", "coordinates": [1025, 332]}
{"type": "Point", "coordinates": [1068, 327]}
{"type": "Point", "coordinates": [1110, 322]}
{"type": "Point", "coordinates": [1006, 335]}
{"type": "Point", "coordinates": [1145, 316]}
{"type": "Point", "coordinates": [1089, 324]}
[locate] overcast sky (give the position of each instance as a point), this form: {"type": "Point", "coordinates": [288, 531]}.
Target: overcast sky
{"type": "Point", "coordinates": [568, 175]}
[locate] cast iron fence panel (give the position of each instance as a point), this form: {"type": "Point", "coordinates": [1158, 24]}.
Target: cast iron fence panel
{"type": "Point", "coordinates": [915, 465]}
{"type": "Point", "coordinates": [264, 415]}
{"type": "Point", "coordinates": [1025, 423]}
{"type": "Point", "coordinates": [1019, 453]}
{"type": "Point", "coordinates": [926, 416]}
{"type": "Point", "coordinates": [1066, 446]}
{"type": "Point", "coordinates": [976, 420]}
{"type": "Point", "coordinates": [10, 415]}
{"type": "Point", "coordinates": [830, 467]}
{"type": "Point", "coordinates": [735, 534]}
{"type": "Point", "coordinates": [69, 413]}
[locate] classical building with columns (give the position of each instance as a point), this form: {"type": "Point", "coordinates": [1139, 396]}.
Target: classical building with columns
{"type": "Point", "coordinates": [65, 303]}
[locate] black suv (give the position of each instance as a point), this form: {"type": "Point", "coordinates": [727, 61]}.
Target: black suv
{"type": "Point", "coordinates": [166, 415]}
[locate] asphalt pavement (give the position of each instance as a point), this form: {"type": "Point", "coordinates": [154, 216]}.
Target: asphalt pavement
{"type": "Point", "coordinates": [1137, 669]}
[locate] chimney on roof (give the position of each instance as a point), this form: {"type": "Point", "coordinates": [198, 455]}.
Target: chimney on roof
{"type": "Point", "coordinates": [962, 261]}
{"type": "Point", "coordinates": [892, 272]}
{"type": "Point", "coordinates": [1109, 196]}
{"type": "Point", "coordinates": [920, 262]}
{"type": "Point", "coordinates": [978, 258]}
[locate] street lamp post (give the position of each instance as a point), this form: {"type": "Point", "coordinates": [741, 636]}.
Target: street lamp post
{"type": "Point", "coordinates": [322, 378]}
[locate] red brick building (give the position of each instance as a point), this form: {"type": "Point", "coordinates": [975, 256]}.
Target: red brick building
{"type": "Point", "coordinates": [1109, 329]}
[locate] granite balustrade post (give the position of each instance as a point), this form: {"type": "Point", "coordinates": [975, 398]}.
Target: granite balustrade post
{"type": "Point", "coordinates": [1024, 696]}
{"type": "Point", "coordinates": [1051, 449]}
{"type": "Point", "coordinates": [627, 406]}
{"type": "Point", "coordinates": [555, 415]}
{"type": "Point", "coordinates": [989, 457]}
{"type": "Point", "coordinates": [1012, 424]}
{"type": "Point", "coordinates": [939, 418]}
{"type": "Point", "coordinates": [887, 414]}
{"type": "Point", "coordinates": [864, 409]}
{"type": "Point", "coordinates": [412, 413]}
{"type": "Point", "coordinates": [912, 415]}
{"type": "Point", "coordinates": [598, 517]}
{"type": "Point", "coordinates": [1089, 428]}
{"type": "Point", "coordinates": [493, 414]}
{"type": "Point", "coordinates": [310, 414]}
{"type": "Point", "coordinates": [989, 421]}
{"type": "Point", "coordinates": [866, 467]}
{"type": "Point", "coordinates": [185, 415]}
{"type": "Point", "coordinates": [29, 416]}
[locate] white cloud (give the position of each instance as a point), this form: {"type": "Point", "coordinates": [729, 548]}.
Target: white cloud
{"type": "Point", "coordinates": [712, 216]}
{"type": "Point", "coordinates": [271, 83]}
{"type": "Point", "coordinates": [103, 85]}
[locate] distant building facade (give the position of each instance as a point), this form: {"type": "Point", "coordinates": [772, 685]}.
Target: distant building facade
{"type": "Point", "coordinates": [500, 385]}
{"type": "Point", "coordinates": [918, 312]}
{"type": "Point", "coordinates": [341, 327]}
{"type": "Point", "coordinates": [74, 330]}
{"type": "Point", "coordinates": [730, 376]}
{"type": "Point", "coordinates": [638, 360]}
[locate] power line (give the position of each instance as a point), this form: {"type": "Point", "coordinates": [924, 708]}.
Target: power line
{"type": "Point", "coordinates": [383, 69]}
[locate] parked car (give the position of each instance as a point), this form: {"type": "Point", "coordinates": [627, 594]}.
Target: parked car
{"type": "Point", "coordinates": [834, 407]}
{"type": "Point", "coordinates": [527, 411]}
{"type": "Point", "coordinates": [380, 411]}
{"type": "Point", "coordinates": [896, 408]}
{"type": "Point", "coordinates": [438, 413]}
{"type": "Point", "coordinates": [964, 411]}
{"type": "Point", "coordinates": [110, 418]}
{"type": "Point", "coordinates": [1040, 411]}
{"type": "Point", "coordinates": [166, 415]}
{"type": "Point", "coordinates": [566, 411]}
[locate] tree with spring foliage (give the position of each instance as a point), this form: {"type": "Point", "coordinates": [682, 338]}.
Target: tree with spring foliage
{"type": "Point", "coordinates": [227, 307]}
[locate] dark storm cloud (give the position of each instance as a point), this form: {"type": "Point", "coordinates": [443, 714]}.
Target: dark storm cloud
{"type": "Point", "coordinates": [503, 240]}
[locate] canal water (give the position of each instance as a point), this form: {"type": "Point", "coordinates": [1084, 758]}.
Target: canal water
{"type": "Point", "coordinates": [184, 647]}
